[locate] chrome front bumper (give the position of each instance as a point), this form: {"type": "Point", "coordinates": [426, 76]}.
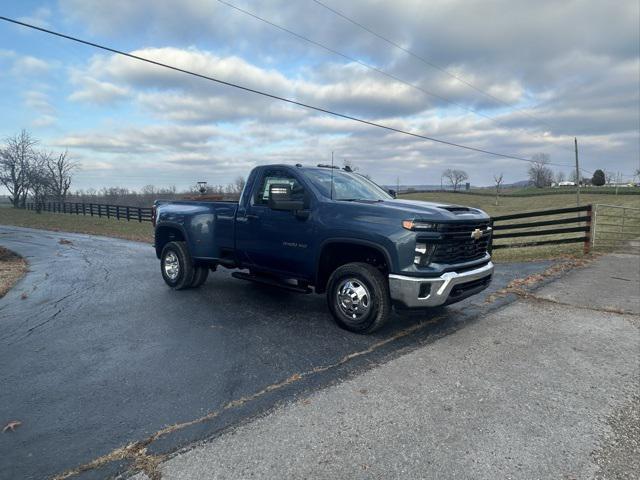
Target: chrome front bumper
{"type": "Point", "coordinates": [407, 290]}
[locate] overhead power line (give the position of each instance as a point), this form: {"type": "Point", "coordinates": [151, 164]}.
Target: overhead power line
{"type": "Point", "coordinates": [429, 63]}
{"type": "Point", "coordinates": [352, 59]}
{"type": "Point", "coordinates": [266, 94]}
{"type": "Point", "coordinates": [376, 69]}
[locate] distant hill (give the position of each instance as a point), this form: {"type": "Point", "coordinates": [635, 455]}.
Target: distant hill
{"type": "Point", "coordinates": [423, 187]}
{"type": "Point", "coordinates": [520, 184]}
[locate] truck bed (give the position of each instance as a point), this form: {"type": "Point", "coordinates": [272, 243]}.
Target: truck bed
{"type": "Point", "coordinates": [208, 226]}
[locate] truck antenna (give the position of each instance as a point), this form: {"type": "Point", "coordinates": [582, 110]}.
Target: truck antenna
{"type": "Point", "coordinates": [331, 192]}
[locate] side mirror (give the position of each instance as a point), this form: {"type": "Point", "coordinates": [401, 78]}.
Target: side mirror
{"type": "Point", "coordinates": [280, 198]}
{"type": "Point", "coordinates": [393, 193]}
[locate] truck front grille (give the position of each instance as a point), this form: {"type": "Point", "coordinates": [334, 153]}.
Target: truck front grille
{"type": "Point", "coordinates": [457, 245]}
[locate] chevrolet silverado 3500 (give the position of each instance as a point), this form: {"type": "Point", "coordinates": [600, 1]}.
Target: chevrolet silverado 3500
{"type": "Point", "coordinates": [331, 231]}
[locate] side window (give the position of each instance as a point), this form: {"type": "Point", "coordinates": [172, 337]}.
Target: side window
{"type": "Point", "coordinates": [277, 177]}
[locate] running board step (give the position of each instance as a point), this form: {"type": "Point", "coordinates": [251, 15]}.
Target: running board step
{"type": "Point", "coordinates": [270, 281]}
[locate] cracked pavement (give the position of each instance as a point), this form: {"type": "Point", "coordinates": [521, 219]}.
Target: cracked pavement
{"type": "Point", "coordinates": [110, 371]}
{"type": "Point", "coordinates": [546, 387]}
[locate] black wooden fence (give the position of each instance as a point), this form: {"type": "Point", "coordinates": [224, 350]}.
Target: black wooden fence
{"type": "Point", "coordinates": [572, 220]}
{"type": "Point", "coordinates": [118, 212]}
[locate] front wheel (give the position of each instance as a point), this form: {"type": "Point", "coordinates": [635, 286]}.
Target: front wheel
{"type": "Point", "coordinates": [358, 297]}
{"type": "Point", "coordinates": [176, 265]}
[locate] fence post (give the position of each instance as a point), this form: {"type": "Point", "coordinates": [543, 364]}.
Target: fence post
{"type": "Point", "coordinates": [127, 214]}
{"type": "Point", "coordinates": [118, 212]}
{"type": "Point", "coordinates": [100, 210]}
{"type": "Point", "coordinates": [490, 249]}
{"type": "Point", "coordinates": [139, 215]}
{"type": "Point", "coordinates": [587, 238]}
{"type": "Point", "coordinates": [595, 226]}
{"type": "Point", "coordinates": [108, 211]}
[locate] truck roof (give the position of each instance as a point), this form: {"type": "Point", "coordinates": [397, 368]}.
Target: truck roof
{"type": "Point", "coordinates": [319, 166]}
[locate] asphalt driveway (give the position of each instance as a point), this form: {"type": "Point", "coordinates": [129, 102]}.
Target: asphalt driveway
{"type": "Point", "coordinates": [96, 352]}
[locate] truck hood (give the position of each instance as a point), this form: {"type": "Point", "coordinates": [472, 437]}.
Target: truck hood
{"type": "Point", "coordinates": [432, 211]}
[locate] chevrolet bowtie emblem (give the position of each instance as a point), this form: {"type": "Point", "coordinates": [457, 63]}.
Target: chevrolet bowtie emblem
{"type": "Point", "coordinates": [476, 234]}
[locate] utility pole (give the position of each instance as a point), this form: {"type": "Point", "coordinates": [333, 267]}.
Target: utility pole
{"type": "Point", "coordinates": [398, 185]}
{"type": "Point", "coordinates": [578, 176]}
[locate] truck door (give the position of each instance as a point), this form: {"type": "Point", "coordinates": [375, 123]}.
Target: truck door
{"type": "Point", "coordinates": [276, 241]}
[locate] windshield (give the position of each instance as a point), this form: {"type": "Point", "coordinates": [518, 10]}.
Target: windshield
{"type": "Point", "coordinates": [346, 186]}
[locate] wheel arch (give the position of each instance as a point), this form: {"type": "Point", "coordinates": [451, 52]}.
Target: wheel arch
{"type": "Point", "coordinates": [166, 232]}
{"type": "Point", "coordinates": [335, 252]}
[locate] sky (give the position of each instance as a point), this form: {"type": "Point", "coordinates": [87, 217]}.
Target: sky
{"type": "Point", "coordinates": [542, 72]}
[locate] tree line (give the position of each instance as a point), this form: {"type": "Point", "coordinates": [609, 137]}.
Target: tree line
{"type": "Point", "coordinates": [33, 174]}
{"type": "Point", "coordinates": [30, 172]}
{"type": "Point", "coordinates": [145, 196]}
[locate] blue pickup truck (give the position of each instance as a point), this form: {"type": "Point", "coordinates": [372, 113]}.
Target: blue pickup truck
{"type": "Point", "coordinates": [332, 231]}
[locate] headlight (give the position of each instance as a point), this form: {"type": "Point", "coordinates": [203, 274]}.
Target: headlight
{"type": "Point", "coordinates": [417, 225]}
{"type": "Point", "coordinates": [423, 254]}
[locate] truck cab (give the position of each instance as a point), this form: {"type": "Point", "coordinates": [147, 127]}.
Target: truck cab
{"type": "Point", "coordinates": [328, 230]}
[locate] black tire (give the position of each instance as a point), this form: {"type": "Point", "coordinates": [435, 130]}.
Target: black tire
{"type": "Point", "coordinates": [200, 276]}
{"type": "Point", "coordinates": [363, 281]}
{"type": "Point", "coordinates": [177, 253]}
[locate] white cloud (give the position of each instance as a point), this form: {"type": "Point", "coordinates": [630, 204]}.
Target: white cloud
{"type": "Point", "coordinates": [40, 17]}
{"type": "Point", "coordinates": [96, 91]}
{"type": "Point", "coordinates": [29, 66]}
{"type": "Point", "coordinates": [574, 66]}
{"type": "Point", "coordinates": [44, 121]}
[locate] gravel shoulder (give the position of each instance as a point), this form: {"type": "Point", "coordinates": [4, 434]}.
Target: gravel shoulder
{"type": "Point", "coordinates": [543, 388]}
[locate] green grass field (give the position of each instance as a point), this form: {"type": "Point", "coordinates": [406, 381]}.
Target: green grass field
{"type": "Point", "coordinates": [511, 204]}
{"type": "Point", "coordinates": [516, 204]}
{"type": "Point", "coordinates": [142, 232]}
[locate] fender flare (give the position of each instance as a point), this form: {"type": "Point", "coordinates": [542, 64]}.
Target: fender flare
{"type": "Point", "coordinates": [353, 241]}
{"type": "Point", "coordinates": [173, 225]}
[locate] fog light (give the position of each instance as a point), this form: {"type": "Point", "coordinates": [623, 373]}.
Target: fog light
{"type": "Point", "coordinates": [425, 290]}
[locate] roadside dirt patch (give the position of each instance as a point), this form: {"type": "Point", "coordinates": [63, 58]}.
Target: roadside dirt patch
{"type": "Point", "coordinates": [520, 286]}
{"type": "Point", "coordinates": [12, 268]}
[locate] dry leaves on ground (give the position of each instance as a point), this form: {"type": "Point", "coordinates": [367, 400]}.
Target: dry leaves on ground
{"type": "Point", "coordinates": [12, 267]}
{"type": "Point", "coordinates": [520, 285]}
{"type": "Point", "coordinates": [11, 426]}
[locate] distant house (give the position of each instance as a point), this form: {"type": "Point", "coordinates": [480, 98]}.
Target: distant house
{"type": "Point", "coordinates": [566, 184]}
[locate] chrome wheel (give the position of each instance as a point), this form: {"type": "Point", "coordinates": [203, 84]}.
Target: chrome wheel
{"type": "Point", "coordinates": [171, 266]}
{"type": "Point", "coordinates": [353, 298]}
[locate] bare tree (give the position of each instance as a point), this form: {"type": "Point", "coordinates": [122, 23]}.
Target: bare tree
{"type": "Point", "coordinates": [609, 177]}
{"type": "Point", "coordinates": [539, 172]}
{"type": "Point", "coordinates": [560, 176]}
{"type": "Point", "coordinates": [40, 182]}
{"type": "Point", "coordinates": [455, 177]}
{"type": "Point", "coordinates": [498, 179]}
{"type": "Point", "coordinates": [16, 157]}
{"type": "Point", "coordinates": [60, 171]}
{"type": "Point", "coordinates": [148, 190]}
{"type": "Point", "coordinates": [239, 184]}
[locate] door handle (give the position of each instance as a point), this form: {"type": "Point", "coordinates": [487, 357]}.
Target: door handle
{"type": "Point", "coordinates": [251, 216]}
{"type": "Point", "coordinates": [302, 214]}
